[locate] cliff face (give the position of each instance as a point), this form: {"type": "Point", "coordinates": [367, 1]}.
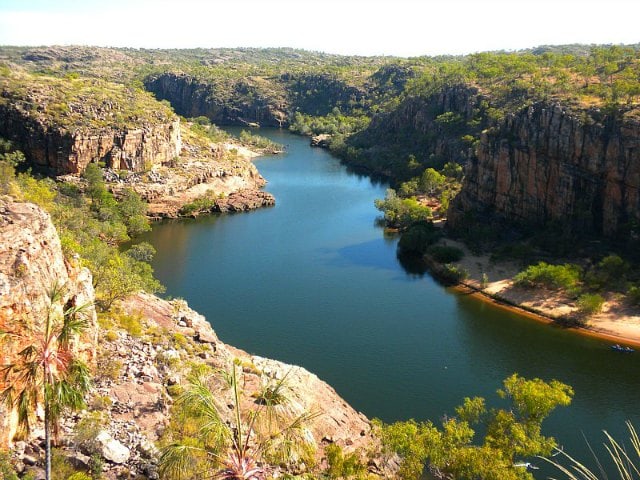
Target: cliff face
{"type": "Point", "coordinates": [244, 103]}
{"type": "Point", "coordinates": [546, 164]}
{"type": "Point", "coordinates": [428, 128]}
{"type": "Point", "coordinates": [61, 151]}
{"type": "Point", "coordinates": [31, 263]}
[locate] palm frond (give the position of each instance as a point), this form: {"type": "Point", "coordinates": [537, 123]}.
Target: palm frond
{"type": "Point", "coordinates": [178, 460]}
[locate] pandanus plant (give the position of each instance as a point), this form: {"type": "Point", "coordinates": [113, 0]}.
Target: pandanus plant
{"type": "Point", "coordinates": [45, 371]}
{"type": "Point", "coordinates": [232, 451]}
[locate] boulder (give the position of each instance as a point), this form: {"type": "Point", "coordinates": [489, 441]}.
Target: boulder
{"type": "Point", "coordinates": [111, 449]}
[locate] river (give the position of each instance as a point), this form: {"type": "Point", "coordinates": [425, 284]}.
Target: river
{"type": "Point", "coordinates": [315, 282]}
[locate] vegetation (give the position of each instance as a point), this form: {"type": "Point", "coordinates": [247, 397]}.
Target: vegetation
{"type": "Point", "coordinates": [564, 277]}
{"type": "Point", "coordinates": [401, 213]}
{"type": "Point", "coordinates": [91, 225]}
{"type": "Point", "coordinates": [199, 441]}
{"type": "Point", "coordinates": [261, 143]}
{"type": "Point", "coordinates": [511, 435]}
{"type": "Point", "coordinates": [46, 368]}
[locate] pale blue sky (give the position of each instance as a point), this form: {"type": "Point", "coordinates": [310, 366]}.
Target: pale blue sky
{"type": "Point", "coordinates": [362, 27]}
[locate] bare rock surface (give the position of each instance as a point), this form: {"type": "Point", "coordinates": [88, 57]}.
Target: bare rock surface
{"type": "Point", "coordinates": [31, 264]}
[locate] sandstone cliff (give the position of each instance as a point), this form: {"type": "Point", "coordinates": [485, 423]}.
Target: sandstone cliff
{"type": "Point", "coordinates": [546, 163]}
{"type": "Point", "coordinates": [61, 125]}
{"type": "Point", "coordinates": [31, 263]}
{"type": "Point", "coordinates": [429, 128]}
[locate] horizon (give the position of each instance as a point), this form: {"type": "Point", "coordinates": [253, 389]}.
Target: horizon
{"type": "Point", "coordinates": [402, 28]}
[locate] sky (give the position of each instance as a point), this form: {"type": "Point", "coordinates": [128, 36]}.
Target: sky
{"type": "Point", "coordinates": [352, 27]}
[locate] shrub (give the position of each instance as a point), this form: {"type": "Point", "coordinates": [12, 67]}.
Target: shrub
{"type": "Point", "coordinates": [341, 465]}
{"type": "Point", "coordinates": [445, 253]}
{"type": "Point", "coordinates": [452, 274]}
{"type": "Point", "coordinates": [590, 303]}
{"type": "Point", "coordinates": [562, 277]}
{"type": "Point", "coordinates": [418, 238]}
{"type": "Point", "coordinates": [633, 295]}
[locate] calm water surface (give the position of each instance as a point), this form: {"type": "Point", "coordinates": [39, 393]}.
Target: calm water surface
{"type": "Point", "coordinates": [314, 282]}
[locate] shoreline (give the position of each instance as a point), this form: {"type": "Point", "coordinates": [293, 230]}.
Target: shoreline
{"type": "Point", "coordinates": [616, 323]}
{"type": "Point", "coordinates": [466, 289]}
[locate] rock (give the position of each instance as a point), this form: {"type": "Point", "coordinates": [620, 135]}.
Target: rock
{"type": "Point", "coordinates": [111, 449]}
{"type": "Point", "coordinates": [321, 140]}
{"type": "Point", "coordinates": [545, 163]}
{"type": "Point", "coordinates": [243, 201]}
{"type": "Point", "coordinates": [29, 460]}
{"type": "Point", "coordinates": [31, 262]}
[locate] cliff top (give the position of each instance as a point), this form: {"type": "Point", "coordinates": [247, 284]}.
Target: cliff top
{"type": "Point", "coordinates": [74, 103]}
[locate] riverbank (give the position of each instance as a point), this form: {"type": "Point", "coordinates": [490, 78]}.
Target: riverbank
{"type": "Point", "coordinates": [617, 322]}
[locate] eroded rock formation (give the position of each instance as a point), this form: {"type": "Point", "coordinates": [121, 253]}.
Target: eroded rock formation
{"type": "Point", "coordinates": [31, 264]}
{"type": "Point", "coordinates": [546, 163]}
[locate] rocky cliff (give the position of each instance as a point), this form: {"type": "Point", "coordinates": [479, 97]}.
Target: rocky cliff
{"type": "Point", "coordinates": [31, 264]}
{"type": "Point", "coordinates": [429, 128]}
{"type": "Point", "coordinates": [241, 102]}
{"type": "Point", "coordinates": [546, 163]}
{"type": "Point", "coordinates": [61, 125]}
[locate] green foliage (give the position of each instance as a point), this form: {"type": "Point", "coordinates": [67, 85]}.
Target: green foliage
{"type": "Point", "coordinates": [562, 277]}
{"type": "Point", "coordinates": [431, 180]}
{"type": "Point", "coordinates": [133, 212]}
{"type": "Point", "coordinates": [633, 295]}
{"type": "Point", "coordinates": [341, 465]}
{"type": "Point", "coordinates": [402, 212]}
{"type": "Point", "coordinates": [451, 274]}
{"type": "Point", "coordinates": [452, 450]}
{"type": "Point", "coordinates": [590, 303]}
{"type": "Point", "coordinates": [445, 253]}
{"type": "Point", "coordinates": [7, 472]}
{"type": "Point", "coordinates": [418, 237]}
{"type": "Point", "coordinates": [262, 143]}
{"type": "Point", "coordinates": [202, 204]}
{"type": "Point", "coordinates": [610, 273]}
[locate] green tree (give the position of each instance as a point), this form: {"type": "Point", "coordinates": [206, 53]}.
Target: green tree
{"type": "Point", "coordinates": [133, 211]}
{"type": "Point", "coordinates": [431, 180]}
{"type": "Point", "coordinates": [511, 434]}
{"type": "Point", "coordinates": [46, 369]}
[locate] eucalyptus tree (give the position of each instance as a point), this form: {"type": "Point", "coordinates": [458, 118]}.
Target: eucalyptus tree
{"type": "Point", "coordinates": [46, 370]}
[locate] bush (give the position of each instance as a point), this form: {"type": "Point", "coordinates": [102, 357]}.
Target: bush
{"type": "Point", "coordinates": [590, 303]}
{"type": "Point", "coordinates": [633, 295]}
{"type": "Point", "coordinates": [452, 274]}
{"type": "Point", "coordinates": [341, 465]}
{"type": "Point", "coordinates": [418, 238]}
{"type": "Point", "coordinates": [561, 277]}
{"type": "Point", "coordinates": [445, 253]}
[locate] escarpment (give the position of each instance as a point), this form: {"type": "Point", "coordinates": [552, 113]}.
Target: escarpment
{"type": "Point", "coordinates": [240, 103]}
{"type": "Point", "coordinates": [547, 164]}
{"type": "Point", "coordinates": [62, 125]}
{"type": "Point", "coordinates": [31, 266]}
{"type": "Point", "coordinates": [266, 101]}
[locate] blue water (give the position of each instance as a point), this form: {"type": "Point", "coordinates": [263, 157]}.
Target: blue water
{"type": "Point", "coordinates": [314, 282]}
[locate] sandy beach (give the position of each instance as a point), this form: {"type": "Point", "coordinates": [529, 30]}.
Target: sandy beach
{"type": "Point", "coordinates": [617, 322]}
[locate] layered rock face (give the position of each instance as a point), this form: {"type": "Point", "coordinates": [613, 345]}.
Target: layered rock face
{"type": "Point", "coordinates": [191, 97]}
{"type": "Point", "coordinates": [31, 264]}
{"type": "Point", "coordinates": [546, 164]}
{"type": "Point", "coordinates": [60, 151]}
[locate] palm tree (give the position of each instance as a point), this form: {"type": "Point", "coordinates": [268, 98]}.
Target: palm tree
{"type": "Point", "coordinates": [46, 369]}
{"type": "Point", "coordinates": [234, 451]}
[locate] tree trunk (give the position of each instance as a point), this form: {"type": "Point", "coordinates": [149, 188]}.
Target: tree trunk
{"type": "Point", "coordinates": [47, 439]}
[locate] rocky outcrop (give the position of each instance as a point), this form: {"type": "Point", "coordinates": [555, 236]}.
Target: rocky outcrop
{"type": "Point", "coordinates": [60, 151]}
{"type": "Point", "coordinates": [31, 264]}
{"type": "Point", "coordinates": [548, 164]}
{"type": "Point", "coordinates": [243, 201]}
